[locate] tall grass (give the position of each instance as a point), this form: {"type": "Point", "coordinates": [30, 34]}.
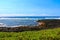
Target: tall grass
{"type": "Point", "coordinates": [48, 34]}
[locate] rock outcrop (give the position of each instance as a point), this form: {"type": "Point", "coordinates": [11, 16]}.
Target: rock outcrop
{"type": "Point", "coordinates": [50, 23]}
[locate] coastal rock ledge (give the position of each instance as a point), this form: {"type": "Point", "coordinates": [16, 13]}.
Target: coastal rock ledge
{"type": "Point", "coordinates": [42, 24]}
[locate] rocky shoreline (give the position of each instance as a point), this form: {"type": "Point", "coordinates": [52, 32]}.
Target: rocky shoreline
{"type": "Point", "coordinates": [42, 24]}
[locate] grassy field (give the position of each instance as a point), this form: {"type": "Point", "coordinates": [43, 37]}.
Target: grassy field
{"type": "Point", "coordinates": [48, 34]}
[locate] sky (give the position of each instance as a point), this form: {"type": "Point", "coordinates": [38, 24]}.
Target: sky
{"type": "Point", "coordinates": [29, 7]}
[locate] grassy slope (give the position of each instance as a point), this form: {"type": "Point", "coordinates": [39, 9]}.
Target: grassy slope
{"type": "Point", "coordinates": [48, 34]}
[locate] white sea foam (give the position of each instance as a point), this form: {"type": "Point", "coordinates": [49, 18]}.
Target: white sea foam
{"type": "Point", "coordinates": [14, 18]}
{"type": "Point", "coordinates": [2, 25]}
{"type": "Point", "coordinates": [52, 18]}
{"type": "Point", "coordinates": [20, 18]}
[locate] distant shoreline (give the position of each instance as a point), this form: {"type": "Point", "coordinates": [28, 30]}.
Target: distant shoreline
{"type": "Point", "coordinates": [29, 16]}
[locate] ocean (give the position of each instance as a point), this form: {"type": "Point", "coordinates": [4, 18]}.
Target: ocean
{"type": "Point", "coordinates": [24, 20]}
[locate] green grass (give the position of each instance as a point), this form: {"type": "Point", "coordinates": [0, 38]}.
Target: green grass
{"type": "Point", "coordinates": [48, 34]}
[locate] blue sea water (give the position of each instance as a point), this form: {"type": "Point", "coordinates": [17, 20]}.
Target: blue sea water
{"type": "Point", "coordinates": [24, 20]}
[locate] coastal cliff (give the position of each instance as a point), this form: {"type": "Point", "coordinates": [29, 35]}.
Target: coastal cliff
{"type": "Point", "coordinates": [42, 24]}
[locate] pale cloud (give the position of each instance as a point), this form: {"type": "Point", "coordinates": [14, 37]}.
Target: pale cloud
{"type": "Point", "coordinates": [17, 15]}
{"type": "Point", "coordinates": [41, 14]}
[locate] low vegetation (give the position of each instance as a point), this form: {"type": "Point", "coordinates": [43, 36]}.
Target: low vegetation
{"type": "Point", "coordinates": [46, 34]}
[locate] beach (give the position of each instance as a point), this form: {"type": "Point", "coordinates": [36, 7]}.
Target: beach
{"type": "Point", "coordinates": [42, 24]}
